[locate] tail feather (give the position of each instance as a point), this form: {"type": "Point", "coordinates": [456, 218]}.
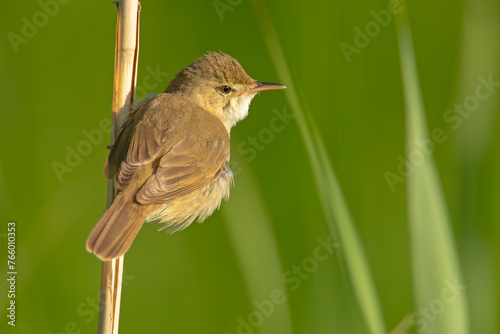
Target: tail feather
{"type": "Point", "coordinates": [117, 228]}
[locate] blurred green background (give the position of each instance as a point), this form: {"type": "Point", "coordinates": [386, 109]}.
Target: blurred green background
{"type": "Point", "coordinates": [56, 69]}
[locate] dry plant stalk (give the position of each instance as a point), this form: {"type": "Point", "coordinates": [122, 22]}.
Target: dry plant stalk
{"type": "Point", "coordinates": [126, 56]}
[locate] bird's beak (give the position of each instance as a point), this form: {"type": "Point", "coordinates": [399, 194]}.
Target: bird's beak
{"type": "Point", "coordinates": [263, 86]}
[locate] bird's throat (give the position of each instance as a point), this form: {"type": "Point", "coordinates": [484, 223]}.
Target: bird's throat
{"type": "Point", "coordinates": [236, 110]}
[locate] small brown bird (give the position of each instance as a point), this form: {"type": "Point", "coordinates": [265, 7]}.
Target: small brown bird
{"type": "Point", "coordinates": [170, 160]}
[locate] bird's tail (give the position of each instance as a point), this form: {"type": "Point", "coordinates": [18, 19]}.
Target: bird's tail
{"type": "Point", "coordinates": [117, 228]}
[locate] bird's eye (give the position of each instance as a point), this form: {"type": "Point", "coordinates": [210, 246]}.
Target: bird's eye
{"type": "Point", "coordinates": [224, 89]}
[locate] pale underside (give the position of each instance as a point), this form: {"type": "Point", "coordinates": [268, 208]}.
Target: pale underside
{"type": "Point", "coordinates": [179, 214]}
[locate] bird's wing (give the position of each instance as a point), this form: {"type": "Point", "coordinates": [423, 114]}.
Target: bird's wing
{"type": "Point", "coordinates": [138, 144]}
{"type": "Point", "coordinates": [190, 165]}
{"type": "Point", "coordinates": [181, 162]}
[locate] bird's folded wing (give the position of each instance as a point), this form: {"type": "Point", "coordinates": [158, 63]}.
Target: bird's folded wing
{"type": "Point", "coordinates": [190, 165]}
{"type": "Point", "coordinates": [143, 149]}
{"type": "Point", "coordinates": [181, 161]}
{"type": "Point", "coordinates": [137, 144]}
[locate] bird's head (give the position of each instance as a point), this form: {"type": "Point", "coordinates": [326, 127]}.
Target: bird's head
{"type": "Point", "coordinates": [218, 83]}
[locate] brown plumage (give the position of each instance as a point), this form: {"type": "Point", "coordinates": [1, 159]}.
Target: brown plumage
{"type": "Point", "coordinates": [170, 160]}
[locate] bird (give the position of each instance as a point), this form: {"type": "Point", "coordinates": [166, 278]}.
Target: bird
{"type": "Point", "coordinates": [170, 161]}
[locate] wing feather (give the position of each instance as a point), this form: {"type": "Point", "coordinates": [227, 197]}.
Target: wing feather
{"type": "Point", "coordinates": [182, 162]}
{"type": "Point", "coordinates": [189, 166]}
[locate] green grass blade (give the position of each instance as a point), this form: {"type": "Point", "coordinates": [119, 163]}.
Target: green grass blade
{"type": "Point", "coordinates": [479, 55]}
{"type": "Point", "coordinates": [438, 287]}
{"type": "Point", "coordinates": [333, 203]}
{"type": "Point", "coordinates": [257, 252]}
